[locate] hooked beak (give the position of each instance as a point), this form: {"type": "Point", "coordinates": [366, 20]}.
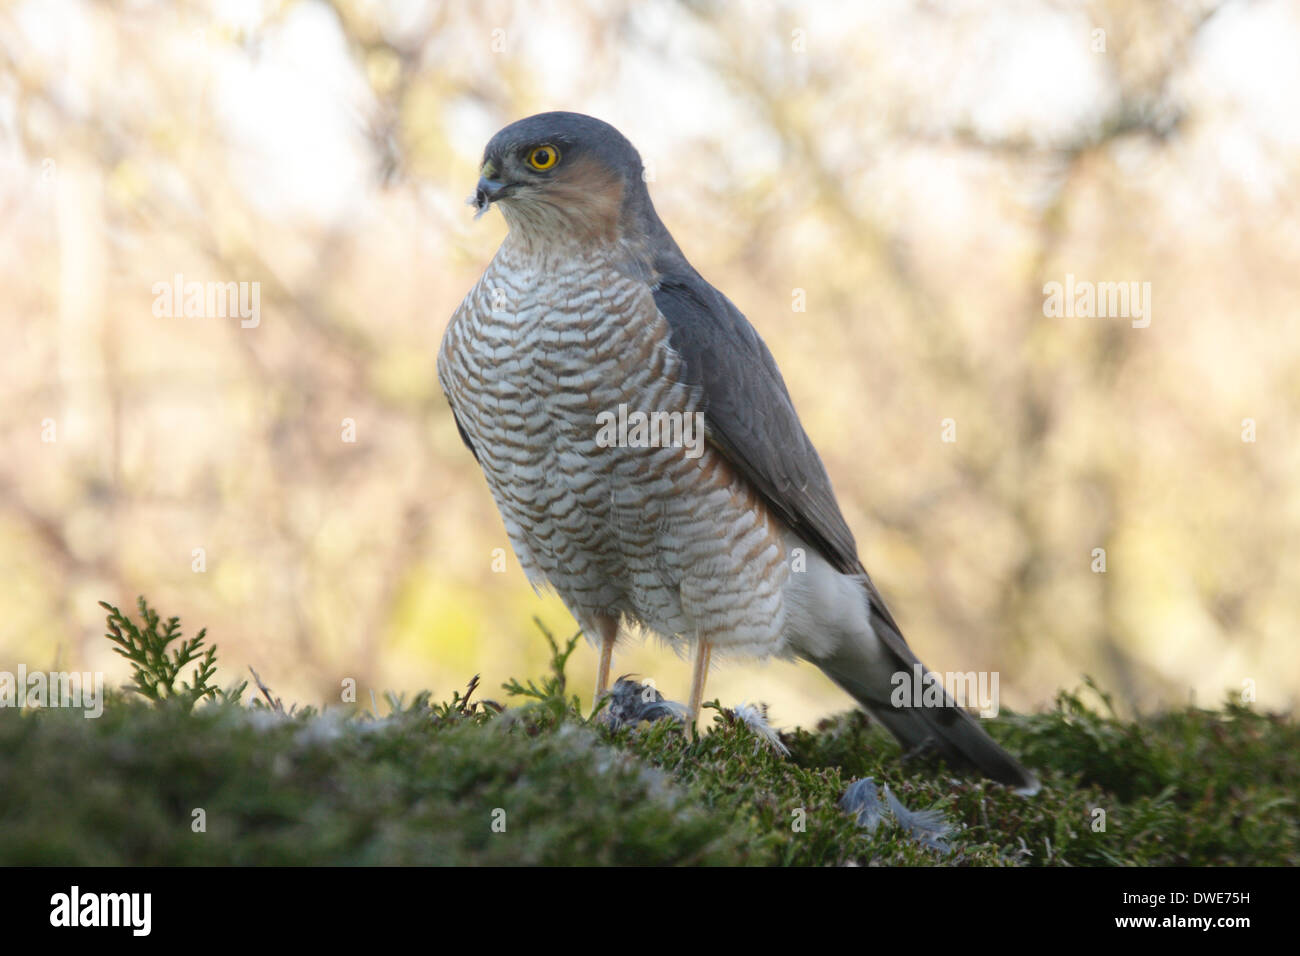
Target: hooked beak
{"type": "Point", "coordinates": [488, 192]}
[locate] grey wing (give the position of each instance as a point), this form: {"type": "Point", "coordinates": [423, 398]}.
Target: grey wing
{"type": "Point", "coordinates": [750, 418]}
{"type": "Point", "coordinates": [749, 414]}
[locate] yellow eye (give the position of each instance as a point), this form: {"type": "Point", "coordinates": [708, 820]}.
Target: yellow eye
{"type": "Point", "coordinates": [543, 158]}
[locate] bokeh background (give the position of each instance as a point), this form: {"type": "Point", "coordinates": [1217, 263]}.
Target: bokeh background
{"type": "Point", "coordinates": [883, 188]}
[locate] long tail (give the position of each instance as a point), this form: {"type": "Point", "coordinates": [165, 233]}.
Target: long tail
{"type": "Point", "coordinates": [865, 665]}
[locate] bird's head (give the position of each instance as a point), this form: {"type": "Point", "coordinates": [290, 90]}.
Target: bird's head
{"type": "Point", "coordinates": [564, 174]}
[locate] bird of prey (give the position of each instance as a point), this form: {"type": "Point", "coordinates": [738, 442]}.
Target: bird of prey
{"type": "Point", "coordinates": [728, 541]}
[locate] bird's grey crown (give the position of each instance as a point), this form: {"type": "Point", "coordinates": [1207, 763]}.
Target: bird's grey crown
{"type": "Point", "coordinates": [577, 135]}
{"type": "Point", "coordinates": [574, 134]}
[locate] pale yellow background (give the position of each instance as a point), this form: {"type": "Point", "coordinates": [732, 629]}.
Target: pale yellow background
{"type": "Point", "coordinates": [918, 170]}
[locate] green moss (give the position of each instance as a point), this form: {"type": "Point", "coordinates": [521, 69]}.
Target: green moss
{"type": "Point", "coordinates": [426, 783]}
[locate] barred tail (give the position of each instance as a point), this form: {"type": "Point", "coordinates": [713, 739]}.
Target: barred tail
{"type": "Point", "coordinates": [864, 665]}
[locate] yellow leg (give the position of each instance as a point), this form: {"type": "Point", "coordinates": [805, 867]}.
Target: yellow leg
{"type": "Point", "coordinates": [703, 651]}
{"type": "Point", "coordinates": [608, 632]}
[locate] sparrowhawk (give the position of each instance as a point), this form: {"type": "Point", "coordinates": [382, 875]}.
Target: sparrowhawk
{"type": "Point", "coordinates": [589, 318]}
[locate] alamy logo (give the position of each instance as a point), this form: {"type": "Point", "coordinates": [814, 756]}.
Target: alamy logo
{"type": "Point", "coordinates": [639, 429]}
{"type": "Point", "coordinates": [1098, 300]}
{"type": "Point", "coordinates": [209, 300]}
{"type": "Point", "coordinates": [103, 909]}
{"type": "Point", "coordinates": [922, 688]}
{"type": "Point", "coordinates": [53, 689]}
